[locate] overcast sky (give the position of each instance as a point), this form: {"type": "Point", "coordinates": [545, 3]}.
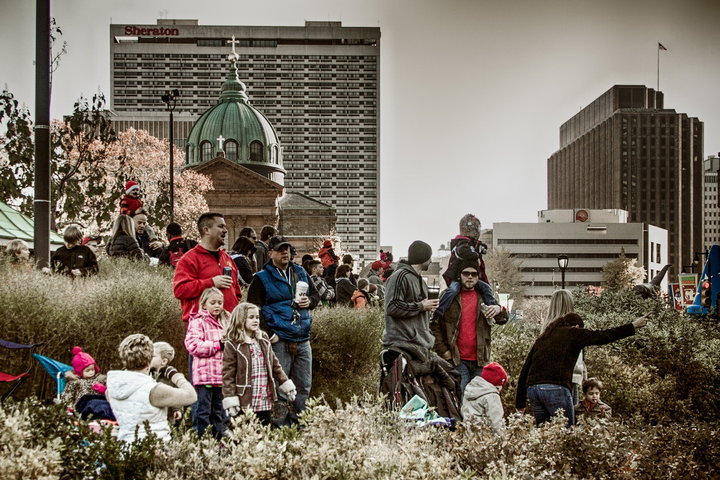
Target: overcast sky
{"type": "Point", "coordinates": [473, 92]}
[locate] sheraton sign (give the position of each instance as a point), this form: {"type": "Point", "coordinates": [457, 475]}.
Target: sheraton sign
{"type": "Point", "coordinates": [155, 31]}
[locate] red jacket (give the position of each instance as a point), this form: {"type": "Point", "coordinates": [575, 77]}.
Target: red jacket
{"type": "Point", "coordinates": [194, 273]}
{"type": "Point", "coordinates": [129, 205]}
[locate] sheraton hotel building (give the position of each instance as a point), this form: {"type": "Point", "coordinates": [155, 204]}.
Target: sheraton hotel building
{"type": "Point", "coordinates": [318, 85]}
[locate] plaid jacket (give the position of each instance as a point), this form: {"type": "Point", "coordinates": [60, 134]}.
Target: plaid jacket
{"type": "Point", "coordinates": [203, 342]}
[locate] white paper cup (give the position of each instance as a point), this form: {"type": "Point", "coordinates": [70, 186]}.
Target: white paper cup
{"type": "Point", "coordinates": [301, 289]}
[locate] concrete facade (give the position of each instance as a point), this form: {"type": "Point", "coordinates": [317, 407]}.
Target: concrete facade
{"type": "Point", "coordinates": [590, 242]}
{"type": "Point", "coordinates": [711, 202]}
{"type": "Point", "coordinates": [318, 84]}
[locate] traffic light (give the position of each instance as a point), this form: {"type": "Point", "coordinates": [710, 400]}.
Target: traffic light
{"type": "Point", "coordinates": [706, 294]}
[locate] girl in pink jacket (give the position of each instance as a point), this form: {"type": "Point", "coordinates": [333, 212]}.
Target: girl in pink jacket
{"type": "Point", "coordinates": [203, 342]}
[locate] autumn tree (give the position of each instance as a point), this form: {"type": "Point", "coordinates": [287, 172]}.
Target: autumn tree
{"type": "Point", "coordinates": [503, 270]}
{"type": "Point", "coordinates": [622, 273]}
{"type": "Point", "coordinates": [90, 165]}
{"type": "Point", "coordinates": [141, 157]}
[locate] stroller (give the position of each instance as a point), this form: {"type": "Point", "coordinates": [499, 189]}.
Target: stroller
{"type": "Point", "coordinates": [408, 371]}
{"type": "Point", "coordinates": [88, 405]}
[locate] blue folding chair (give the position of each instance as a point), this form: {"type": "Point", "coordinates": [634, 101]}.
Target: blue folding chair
{"type": "Point", "coordinates": [16, 380]}
{"type": "Point", "coordinates": [56, 370]}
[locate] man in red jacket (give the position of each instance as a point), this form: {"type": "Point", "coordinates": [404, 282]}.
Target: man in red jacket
{"type": "Point", "coordinates": [202, 267]}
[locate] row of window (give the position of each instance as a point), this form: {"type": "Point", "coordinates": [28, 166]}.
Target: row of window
{"type": "Point", "coordinates": [242, 57]}
{"type": "Point", "coordinates": [230, 147]}
{"type": "Point", "coordinates": [567, 241]}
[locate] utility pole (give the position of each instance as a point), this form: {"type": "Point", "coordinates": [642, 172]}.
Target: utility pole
{"type": "Point", "coordinates": [41, 205]}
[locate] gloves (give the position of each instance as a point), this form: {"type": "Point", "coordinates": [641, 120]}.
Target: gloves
{"type": "Point", "coordinates": [99, 388]}
{"type": "Point", "coordinates": [289, 390]}
{"type": "Point", "coordinates": [231, 405]}
{"type": "Point", "coordinates": [167, 372]}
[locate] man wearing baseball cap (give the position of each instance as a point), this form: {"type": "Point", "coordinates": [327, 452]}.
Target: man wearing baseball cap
{"type": "Point", "coordinates": [285, 316]}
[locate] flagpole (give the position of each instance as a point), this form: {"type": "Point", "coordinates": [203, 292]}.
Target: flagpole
{"type": "Point", "coordinates": [658, 68]}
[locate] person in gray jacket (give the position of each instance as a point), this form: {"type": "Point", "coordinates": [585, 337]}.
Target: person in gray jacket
{"type": "Point", "coordinates": [407, 306]}
{"type": "Point", "coordinates": [481, 400]}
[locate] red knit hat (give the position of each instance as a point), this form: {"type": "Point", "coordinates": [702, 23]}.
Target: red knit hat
{"type": "Point", "coordinates": [494, 373]}
{"type": "Point", "coordinates": [377, 264]}
{"type": "Point", "coordinates": [327, 244]}
{"type": "Point", "coordinates": [131, 185]}
{"type": "Point", "coordinates": [82, 360]}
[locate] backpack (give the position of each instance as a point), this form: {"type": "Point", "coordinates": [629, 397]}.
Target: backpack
{"type": "Point", "coordinates": [176, 255]}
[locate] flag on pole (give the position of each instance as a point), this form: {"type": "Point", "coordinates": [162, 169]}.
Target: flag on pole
{"type": "Point", "coordinates": [661, 46]}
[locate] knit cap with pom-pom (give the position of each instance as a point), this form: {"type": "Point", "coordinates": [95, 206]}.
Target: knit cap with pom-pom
{"type": "Point", "coordinates": [82, 360]}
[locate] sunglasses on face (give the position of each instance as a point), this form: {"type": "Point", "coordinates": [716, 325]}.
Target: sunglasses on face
{"type": "Point", "coordinates": [469, 274]}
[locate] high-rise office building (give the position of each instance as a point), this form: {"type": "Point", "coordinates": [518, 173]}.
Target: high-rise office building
{"type": "Point", "coordinates": [626, 151]}
{"type": "Point", "coordinates": [711, 201]}
{"type": "Point", "coordinates": [318, 85]}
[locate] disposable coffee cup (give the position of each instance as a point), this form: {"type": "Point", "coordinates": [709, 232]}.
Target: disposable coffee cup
{"type": "Point", "coordinates": [301, 289]}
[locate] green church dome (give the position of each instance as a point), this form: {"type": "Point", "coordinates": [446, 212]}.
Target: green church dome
{"type": "Point", "coordinates": [236, 130]}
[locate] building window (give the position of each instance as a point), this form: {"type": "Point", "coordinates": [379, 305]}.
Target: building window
{"type": "Point", "coordinates": [205, 151]}
{"type": "Point", "coordinates": [274, 154]}
{"type": "Point", "coordinates": [256, 150]}
{"type": "Point", "coordinates": [231, 150]}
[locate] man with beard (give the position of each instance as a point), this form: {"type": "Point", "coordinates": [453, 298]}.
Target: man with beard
{"type": "Point", "coordinates": [407, 306]}
{"type": "Point", "coordinates": [205, 266]}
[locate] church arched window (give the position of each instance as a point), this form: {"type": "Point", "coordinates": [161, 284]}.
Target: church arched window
{"type": "Point", "coordinates": [205, 151]}
{"type": "Point", "coordinates": [274, 154]}
{"type": "Point", "coordinates": [188, 153]}
{"type": "Point", "coordinates": [256, 151]}
{"type": "Point", "coordinates": [231, 150]}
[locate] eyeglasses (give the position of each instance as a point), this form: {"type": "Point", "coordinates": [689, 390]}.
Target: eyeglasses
{"type": "Point", "coordinates": [469, 274]}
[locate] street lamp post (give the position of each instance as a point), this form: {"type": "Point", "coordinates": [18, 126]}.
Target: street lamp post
{"type": "Point", "coordinates": [562, 263]}
{"type": "Point", "coordinates": [170, 99]}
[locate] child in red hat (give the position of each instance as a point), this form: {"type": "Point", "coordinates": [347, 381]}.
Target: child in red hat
{"type": "Point", "coordinates": [131, 202]}
{"type": "Point", "coordinates": [481, 400]}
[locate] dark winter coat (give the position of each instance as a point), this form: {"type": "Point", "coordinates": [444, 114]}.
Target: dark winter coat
{"type": "Point", "coordinates": [552, 358]}
{"type": "Point", "coordinates": [344, 290]}
{"type": "Point", "coordinates": [445, 328]}
{"type": "Point", "coordinates": [124, 246]}
{"type": "Point", "coordinates": [80, 257]}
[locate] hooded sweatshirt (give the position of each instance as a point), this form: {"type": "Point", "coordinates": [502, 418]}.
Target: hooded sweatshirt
{"type": "Point", "coordinates": [129, 395]}
{"type": "Point", "coordinates": [406, 321]}
{"type": "Point", "coordinates": [481, 403]}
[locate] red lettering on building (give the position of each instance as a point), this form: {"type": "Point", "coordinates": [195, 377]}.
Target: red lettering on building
{"type": "Point", "coordinates": [134, 31]}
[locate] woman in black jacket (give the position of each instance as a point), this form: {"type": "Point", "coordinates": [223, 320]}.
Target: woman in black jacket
{"type": "Point", "coordinates": [242, 253]}
{"type": "Point", "coordinates": [546, 376]}
{"type": "Point", "coordinates": [122, 242]}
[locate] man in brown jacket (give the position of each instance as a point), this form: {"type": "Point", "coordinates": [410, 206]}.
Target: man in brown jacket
{"type": "Point", "coordinates": [462, 331]}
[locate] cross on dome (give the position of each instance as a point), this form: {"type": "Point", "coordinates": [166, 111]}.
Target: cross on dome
{"type": "Point", "coordinates": [233, 57]}
{"type": "Point", "coordinates": [220, 141]}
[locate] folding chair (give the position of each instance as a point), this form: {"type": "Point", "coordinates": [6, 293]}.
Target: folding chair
{"type": "Point", "coordinates": [16, 380]}
{"type": "Point", "coordinates": [56, 370]}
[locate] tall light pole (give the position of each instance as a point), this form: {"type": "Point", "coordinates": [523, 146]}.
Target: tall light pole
{"type": "Point", "coordinates": [562, 263]}
{"type": "Point", "coordinates": [170, 99]}
{"type": "Point", "coordinates": [41, 202]}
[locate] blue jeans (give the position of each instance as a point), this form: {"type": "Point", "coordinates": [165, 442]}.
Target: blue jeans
{"type": "Point", "coordinates": [296, 362]}
{"type": "Point", "coordinates": [547, 399]}
{"type": "Point", "coordinates": [209, 411]}
{"type": "Point", "coordinates": [468, 369]}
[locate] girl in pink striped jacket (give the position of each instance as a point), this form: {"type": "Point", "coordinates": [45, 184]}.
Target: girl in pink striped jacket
{"type": "Point", "coordinates": [204, 343]}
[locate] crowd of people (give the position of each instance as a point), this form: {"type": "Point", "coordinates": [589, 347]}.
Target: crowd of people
{"type": "Point", "coordinates": [254, 354]}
